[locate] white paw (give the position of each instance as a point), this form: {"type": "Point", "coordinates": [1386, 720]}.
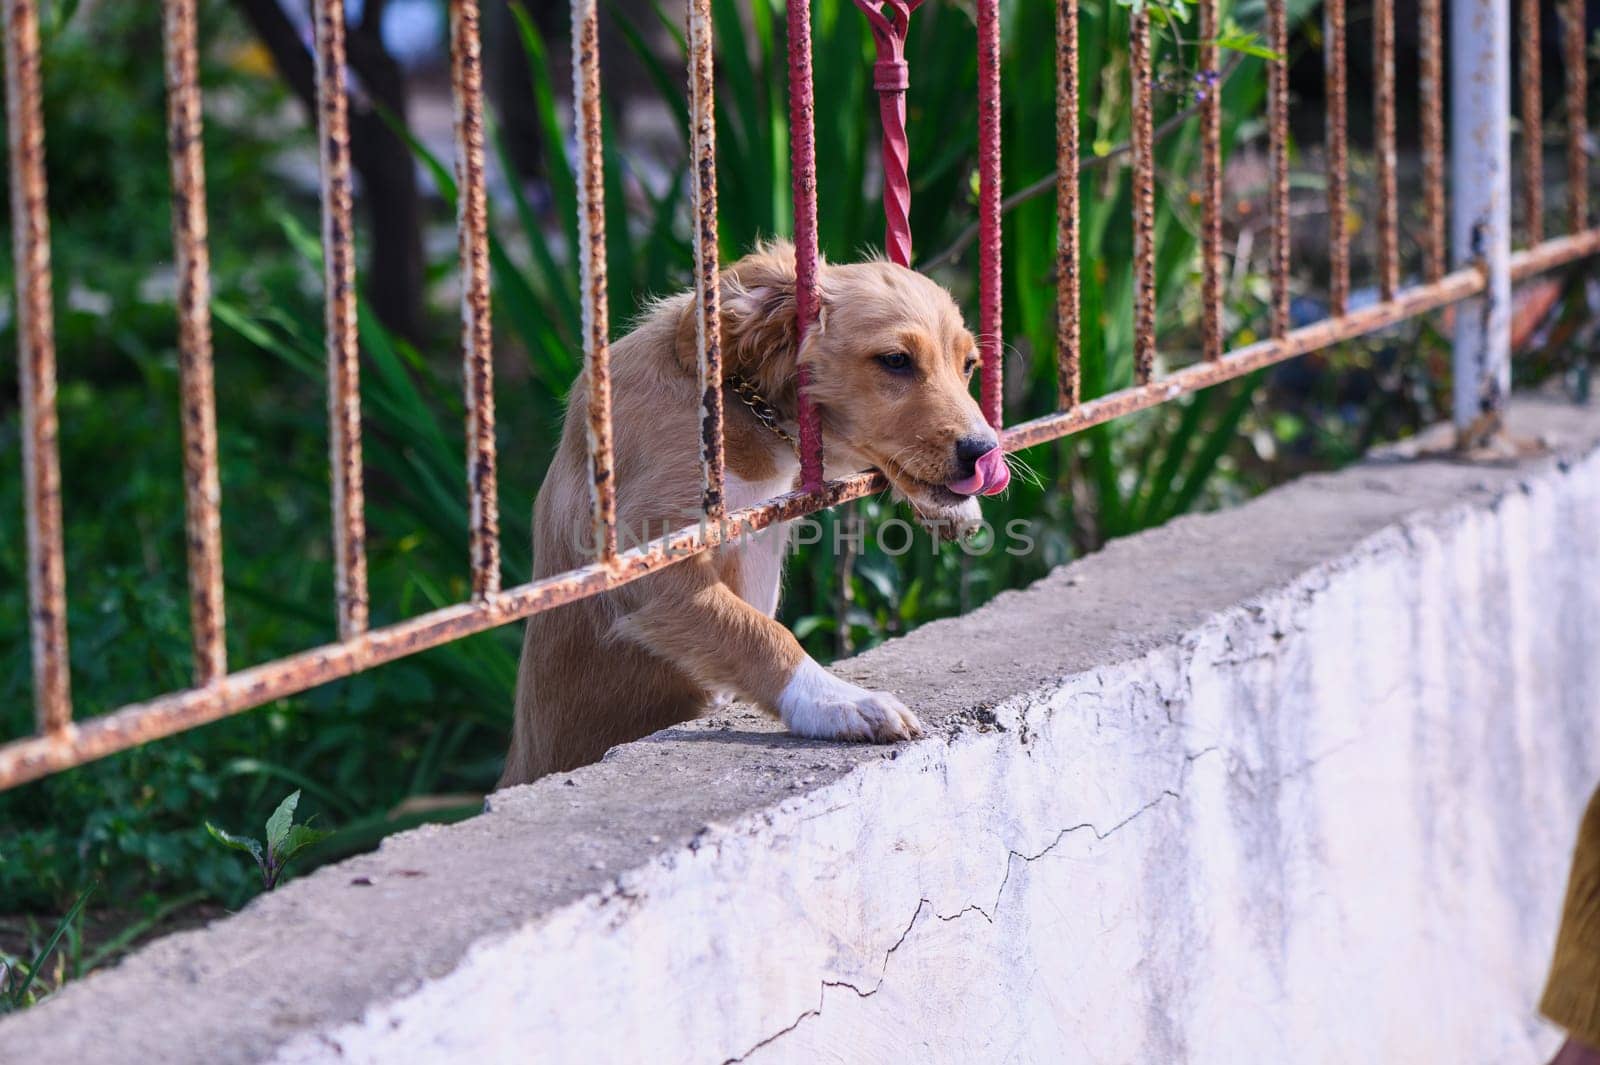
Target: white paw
{"type": "Point", "coordinates": [818, 705]}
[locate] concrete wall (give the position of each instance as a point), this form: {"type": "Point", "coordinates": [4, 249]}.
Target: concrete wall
{"type": "Point", "coordinates": [1294, 782]}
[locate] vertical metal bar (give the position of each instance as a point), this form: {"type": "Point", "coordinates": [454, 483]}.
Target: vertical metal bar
{"type": "Point", "coordinates": [1144, 203]}
{"type": "Point", "coordinates": [477, 329]}
{"type": "Point", "coordinates": [891, 77]}
{"type": "Point", "coordinates": [1338, 150]}
{"type": "Point", "coordinates": [1069, 325]}
{"type": "Point", "coordinates": [707, 294]}
{"type": "Point", "coordinates": [803, 175]}
{"type": "Point", "coordinates": [1211, 185]}
{"type": "Point", "coordinates": [1278, 120]}
{"type": "Point", "coordinates": [1480, 177]}
{"type": "Point", "coordinates": [592, 270]}
{"type": "Point", "coordinates": [202, 490]}
{"type": "Point", "coordinates": [991, 342]}
{"type": "Point", "coordinates": [339, 281]}
{"type": "Point", "coordinates": [1530, 64]}
{"type": "Point", "coordinates": [1388, 206]}
{"type": "Point", "coordinates": [1430, 101]}
{"type": "Point", "coordinates": [1575, 45]}
{"type": "Point", "coordinates": [36, 370]}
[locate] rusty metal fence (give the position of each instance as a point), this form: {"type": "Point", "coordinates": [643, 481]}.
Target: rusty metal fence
{"type": "Point", "coordinates": [1486, 266]}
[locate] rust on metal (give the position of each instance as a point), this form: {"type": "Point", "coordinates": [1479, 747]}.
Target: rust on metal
{"type": "Point", "coordinates": [707, 293]}
{"type": "Point", "coordinates": [62, 744]}
{"type": "Point", "coordinates": [339, 282]}
{"type": "Point", "coordinates": [202, 490]}
{"type": "Point", "coordinates": [477, 329]}
{"type": "Point", "coordinates": [803, 181]}
{"type": "Point", "coordinates": [36, 371]}
{"type": "Point", "coordinates": [1557, 252]}
{"type": "Point", "coordinates": [1144, 203]}
{"type": "Point", "coordinates": [1210, 184]}
{"type": "Point", "coordinates": [1338, 161]}
{"type": "Point", "coordinates": [1383, 103]}
{"type": "Point", "coordinates": [32, 758]}
{"type": "Point", "coordinates": [1532, 88]}
{"type": "Point", "coordinates": [592, 270]}
{"type": "Point", "coordinates": [991, 342]}
{"type": "Point", "coordinates": [29, 759]}
{"type": "Point", "coordinates": [1407, 304]}
{"type": "Point", "coordinates": [1278, 122]}
{"type": "Point", "coordinates": [1574, 28]}
{"type": "Point", "coordinates": [1430, 101]}
{"type": "Point", "coordinates": [1069, 325]}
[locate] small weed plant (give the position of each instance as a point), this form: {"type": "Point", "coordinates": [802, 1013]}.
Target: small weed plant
{"type": "Point", "coordinates": [285, 839]}
{"type": "Point", "coordinates": [17, 976]}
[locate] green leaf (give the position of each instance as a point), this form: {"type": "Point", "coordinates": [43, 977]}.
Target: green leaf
{"type": "Point", "coordinates": [911, 601]}
{"type": "Point", "coordinates": [300, 837]}
{"type": "Point", "coordinates": [279, 823]}
{"type": "Point", "coordinates": [1215, 443]}
{"type": "Point", "coordinates": [238, 843]}
{"type": "Point", "coordinates": [804, 627]}
{"type": "Point", "coordinates": [1235, 39]}
{"type": "Point", "coordinates": [558, 167]}
{"type": "Point", "coordinates": [881, 575]}
{"type": "Point", "coordinates": [670, 86]}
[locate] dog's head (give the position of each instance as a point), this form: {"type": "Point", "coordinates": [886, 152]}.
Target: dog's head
{"type": "Point", "coordinates": [890, 363]}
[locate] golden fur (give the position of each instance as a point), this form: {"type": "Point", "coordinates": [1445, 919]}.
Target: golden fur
{"type": "Point", "coordinates": [654, 653]}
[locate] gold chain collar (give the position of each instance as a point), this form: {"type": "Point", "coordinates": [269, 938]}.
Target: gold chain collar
{"type": "Point", "coordinates": [764, 412]}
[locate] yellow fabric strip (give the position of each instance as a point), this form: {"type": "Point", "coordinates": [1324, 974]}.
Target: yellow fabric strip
{"type": "Point", "coordinates": [1572, 994]}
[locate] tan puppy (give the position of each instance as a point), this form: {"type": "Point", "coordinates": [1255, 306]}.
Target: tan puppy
{"type": "Point", "coordinates": [890, 363]}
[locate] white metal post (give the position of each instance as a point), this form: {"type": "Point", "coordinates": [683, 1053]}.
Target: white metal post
{"type": "Point", "coordinates": [1480, 214]}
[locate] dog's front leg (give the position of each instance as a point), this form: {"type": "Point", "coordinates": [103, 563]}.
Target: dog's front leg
{"type": "Point", "coordinates": [702, 626]}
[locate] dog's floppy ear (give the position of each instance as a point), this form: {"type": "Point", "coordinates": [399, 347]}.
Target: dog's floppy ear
{"type": "Point", "coordinates": [758, 319]}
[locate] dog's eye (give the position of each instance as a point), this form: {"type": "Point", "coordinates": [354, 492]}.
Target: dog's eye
{"type": "Point", "coordinates": [972, 364]}
{"type": "Point", "coordinates": [895, 361]}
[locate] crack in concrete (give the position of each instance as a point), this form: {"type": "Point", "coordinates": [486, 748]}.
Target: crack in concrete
{"type": "Point", "coordinates": [988, 915]}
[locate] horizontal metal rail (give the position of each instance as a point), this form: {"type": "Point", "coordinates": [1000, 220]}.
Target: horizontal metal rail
{"type": "Point", "coordinates": [62, 742]}
{"type": "Point", "coordinates": [32, 758]}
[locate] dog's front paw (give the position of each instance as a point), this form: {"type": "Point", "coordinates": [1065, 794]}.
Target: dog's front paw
{"type": "Point", "coordinates": [818, 705]}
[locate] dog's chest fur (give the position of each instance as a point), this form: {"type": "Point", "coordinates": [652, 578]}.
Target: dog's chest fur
{"type": "Point", "coordinates": [760, 556]}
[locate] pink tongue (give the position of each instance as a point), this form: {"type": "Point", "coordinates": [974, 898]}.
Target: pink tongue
{"type": "Point", "coordinates": [991, 476]}
{"type": "Point", "coordinates": [968, 486]}
{"type": "Point", "coordinates": [996, 474]}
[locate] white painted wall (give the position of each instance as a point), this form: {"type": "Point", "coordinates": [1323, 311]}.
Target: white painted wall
{"type": "Point", "coordinates": [1295, 782]}
{"type": "Point", "coordinates": [1329, 825]}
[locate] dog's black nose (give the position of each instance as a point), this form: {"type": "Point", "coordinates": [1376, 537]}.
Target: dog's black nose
{"type": "Point", "coordinates": [969, 449]}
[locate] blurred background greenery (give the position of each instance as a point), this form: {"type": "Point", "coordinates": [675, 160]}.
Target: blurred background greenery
{"type": "Point", "coordinates": [422, 739]}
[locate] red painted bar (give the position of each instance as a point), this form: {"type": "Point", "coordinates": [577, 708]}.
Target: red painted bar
{"type": "Point", "coordinates": [991, 343]}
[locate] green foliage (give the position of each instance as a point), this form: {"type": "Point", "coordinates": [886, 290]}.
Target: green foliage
{"type": "Point", "coordinates": [109, 187]}
{"type": "Point", "coordinates": [431, 726]}
{"type": "Point", "coordinates": [284, 840]}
